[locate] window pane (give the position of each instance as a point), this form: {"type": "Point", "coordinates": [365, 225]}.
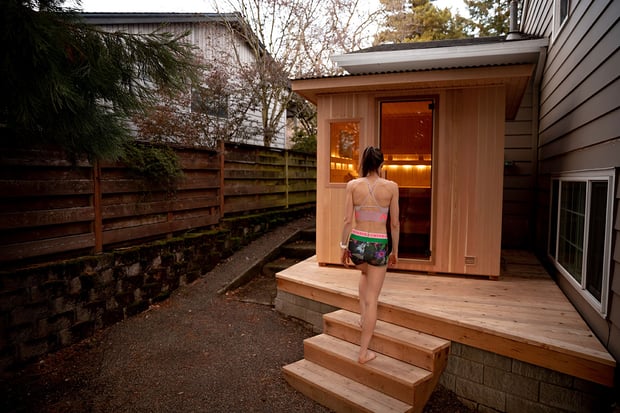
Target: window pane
{"type": "Point", "coordinates": [596, 238]}
{"type": "Point", "coordinates": [553, 225]}
{"type": "Point", "coordinates": [572, 223]}
{"type": "Point", "coordinates": [344, 151]}
{"type": "Point", "coordinates": [563, 10]}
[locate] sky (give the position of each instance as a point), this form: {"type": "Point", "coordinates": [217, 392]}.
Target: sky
{"type": "Point", "coordinates": [199, 6]}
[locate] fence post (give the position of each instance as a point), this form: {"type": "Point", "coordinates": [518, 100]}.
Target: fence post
{"type": "Point", "coordinates": [286, 176]}
{"type": "Point", "coordinates": [222, 164]}
{"type": "Point", "coordinates": [98, 220]}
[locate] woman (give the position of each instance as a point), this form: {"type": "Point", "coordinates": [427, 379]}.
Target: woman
{"type": "Point", "coordinates": [368, 201]}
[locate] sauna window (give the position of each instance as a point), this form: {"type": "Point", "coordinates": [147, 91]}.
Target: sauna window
{"type": "Point", "coordinates": [344, 139]}
{"type": "Point", "coordinates": [580, 232]}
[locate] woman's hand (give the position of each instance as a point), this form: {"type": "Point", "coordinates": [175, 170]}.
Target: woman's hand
{"type": "Point", "coordinates": [393, 259]}
{"type": "Point", "coordinates": [345, 257]}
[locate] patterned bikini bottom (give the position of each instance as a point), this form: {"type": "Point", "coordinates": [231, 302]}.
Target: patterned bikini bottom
{"type": "Point", "coordinates": [368, 247]}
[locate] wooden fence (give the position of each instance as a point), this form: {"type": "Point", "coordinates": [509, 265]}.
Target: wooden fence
{"type": "Point", "coordinates": [53, 207]}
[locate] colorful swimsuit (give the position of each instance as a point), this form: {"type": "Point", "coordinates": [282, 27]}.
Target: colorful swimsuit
{"type": "Point", "coordinates": [369, 247]}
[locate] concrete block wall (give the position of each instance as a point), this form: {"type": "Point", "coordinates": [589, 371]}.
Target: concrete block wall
{"type": "Point", "coordinates": [488, 382]}
{"type": "Point", "coordinates": [304, 309]}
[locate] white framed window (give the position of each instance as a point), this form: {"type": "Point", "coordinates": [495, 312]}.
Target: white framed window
{"type": "Point", "coordinates": [580, 228]}
{"type": "Point", "coordinates": [561, 11]}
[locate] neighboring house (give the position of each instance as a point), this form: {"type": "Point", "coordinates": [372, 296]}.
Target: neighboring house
{"type": "Point", "coordinates": [216, 44]}
{"type": "Point", "coordinates": [496, 143]}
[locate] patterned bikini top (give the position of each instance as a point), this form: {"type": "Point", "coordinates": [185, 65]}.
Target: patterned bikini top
{"type": "Point", "coordinates": [373, 213]}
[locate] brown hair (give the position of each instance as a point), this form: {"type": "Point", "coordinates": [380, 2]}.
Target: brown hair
{"type": "Point", "coordinates": [372, 158]}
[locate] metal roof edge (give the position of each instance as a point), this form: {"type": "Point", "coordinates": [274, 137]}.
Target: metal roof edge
{"type": "Point", "coordinates": [441, 57]}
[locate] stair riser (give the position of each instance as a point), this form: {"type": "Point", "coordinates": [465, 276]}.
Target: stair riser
{"type": "Point", "coordinates": [386, 345]}
{"type": "Point", "coordinates": [359, 373]}
{"type": "Point", "coordinates": [298, 251]}
{"type": "Point", "coordinates": [320, 395]}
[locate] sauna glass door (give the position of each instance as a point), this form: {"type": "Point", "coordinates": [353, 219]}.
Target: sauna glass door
{"type": "Point", "coordinates": [406, 141]}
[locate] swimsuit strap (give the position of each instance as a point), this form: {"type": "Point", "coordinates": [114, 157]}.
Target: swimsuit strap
{"type": "Point", "coordinates": [370, 195]}
{"type": "Point", "coordinates": [378, 215]}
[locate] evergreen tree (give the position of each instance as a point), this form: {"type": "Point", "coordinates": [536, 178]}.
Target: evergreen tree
{"type": "Point", "coordinates": [418, 20]}
{"type": "Point", "coordinates": [65, 82]}
{"type": "Point", "coordinates": [489, 17]}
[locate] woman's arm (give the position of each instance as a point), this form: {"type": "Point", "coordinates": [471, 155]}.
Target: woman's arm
{"type": "Point", "coordinates": [348, 222]}
{"type": "Point", "coordinates": [394, 224]}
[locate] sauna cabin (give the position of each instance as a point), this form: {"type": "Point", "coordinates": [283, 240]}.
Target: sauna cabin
{"type": "Point", "coordinates": [442, 135]}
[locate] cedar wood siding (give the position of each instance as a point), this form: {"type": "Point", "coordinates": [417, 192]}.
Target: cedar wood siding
{"type": "Point", "coordinates": [579, 124]}
{"type": "Point", "coordinates": [212, 39]}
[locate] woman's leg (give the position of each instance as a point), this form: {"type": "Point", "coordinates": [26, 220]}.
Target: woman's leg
{"type": "Point", "coordinates": [373, 282]}
{"type": "Point", "coordinates": [362, 288]}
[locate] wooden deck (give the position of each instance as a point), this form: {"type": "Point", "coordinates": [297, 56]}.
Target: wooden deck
{"type": "Point", "coordinates": [522, 315]}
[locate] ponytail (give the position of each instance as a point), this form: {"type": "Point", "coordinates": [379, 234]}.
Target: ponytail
{"type": "Point", "coordinates": [372, 158]}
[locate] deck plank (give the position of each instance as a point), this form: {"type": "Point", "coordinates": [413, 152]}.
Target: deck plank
{"type": "Point", "coordinates": [524, 317]}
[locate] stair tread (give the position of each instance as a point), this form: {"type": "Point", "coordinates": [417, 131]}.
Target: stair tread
{"type": "Point", "coordinates": [282, 263]}
{"type": "Point", "coordinates": [414, 338]}
{"type": "Point", "coordinates": [362, 397]}
{"type": "Point", "coordinates": [397, 370]}
{"type": "Point", "coordinates": [305, 245]}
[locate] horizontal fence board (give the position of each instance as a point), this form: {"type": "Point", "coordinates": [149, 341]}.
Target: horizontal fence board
{"type": "Point", "coordinates": [26, 234]}
{"type": "Point", "coordinates": [48, 217]}
{"type": "Point", "coordinates": [118, 236]}
{"type": "Point", "coordinates": [17, 188]}
{"type": "Point", "coordinates": [240, 204]}
{"type": "Point", "coordinates": [233, 190]}
{"type": "Point", "coordinates": [40, 157]}
{"type": "Point", "coordinates": [44, 203]}
{"type": "Point", "coordinates": [301, 186]}
{"type": "Point", "coordinates": [146, 208]}
{"type": "Point", "coordinates": [47, 174]}
{"type": "Point", "coordinates": [44, 247]}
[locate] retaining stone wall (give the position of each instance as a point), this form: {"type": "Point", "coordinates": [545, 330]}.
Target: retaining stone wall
{"type": "Point", "coordinates": [46, 307]}
{"type": "Point", "coordinates": [487, 382]}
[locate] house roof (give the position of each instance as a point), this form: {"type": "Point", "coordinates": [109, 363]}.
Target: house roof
{"type": "Point", "coordinates": [435, 65]}
{"type": "Point", "coordinates": [157, 18]}
{"type": "Point", "coordinates": [443, 54]}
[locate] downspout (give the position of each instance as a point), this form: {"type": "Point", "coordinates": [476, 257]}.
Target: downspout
{"type": "Point", "coordinates": [540, 66]}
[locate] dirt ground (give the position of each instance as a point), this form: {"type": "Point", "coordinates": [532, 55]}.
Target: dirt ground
{"type": "Point", "coordinates": [198, 351]}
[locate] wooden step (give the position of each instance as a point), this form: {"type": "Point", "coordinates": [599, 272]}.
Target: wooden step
{"type": "Point", "coordinates": [388, 375]}
{"type": "Point", "coordinates": [337, 392]}
{"type": "Point", "coordinates": [422, 350]}
{"type": "Point", "coordinates": [299, 249]}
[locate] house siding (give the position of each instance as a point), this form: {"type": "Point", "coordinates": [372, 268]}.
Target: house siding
{"type": "Point", "coordinates": [519, 176]}
{"type": "Point", "coordinates": [578, 124]}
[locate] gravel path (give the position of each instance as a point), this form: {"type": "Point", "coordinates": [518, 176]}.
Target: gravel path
{"type": "Point", "coordinates": [196, 352]}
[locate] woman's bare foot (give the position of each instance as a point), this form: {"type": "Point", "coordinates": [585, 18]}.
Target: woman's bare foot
{"type": "Point", "coordinates": [366, 357]}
